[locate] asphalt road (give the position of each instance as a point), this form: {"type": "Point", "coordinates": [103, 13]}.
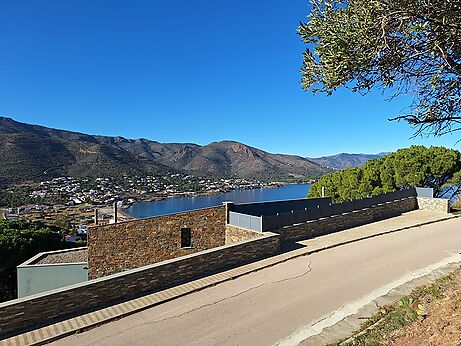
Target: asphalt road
{"type": "Point", "coordinates": [271, 305]}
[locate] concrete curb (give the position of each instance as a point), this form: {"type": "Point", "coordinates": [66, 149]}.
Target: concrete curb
{"type": "Point", "coordinates": [90, 320]}
{"type": "Point", "coordinates": [350, 328]}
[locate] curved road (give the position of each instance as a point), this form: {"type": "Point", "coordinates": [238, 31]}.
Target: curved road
{"type": "Point", "coordinates": [267, 306]}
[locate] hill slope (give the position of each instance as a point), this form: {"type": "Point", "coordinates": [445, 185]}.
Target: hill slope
{"type": "Point", "coordinates": [344, 160]}
{"type": "Point", "coordinates": [32, 152]}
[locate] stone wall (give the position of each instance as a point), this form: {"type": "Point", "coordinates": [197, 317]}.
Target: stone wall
{"type": "Point", "coordinates": [440, 205]}
{"type": "Point", "coordinates": [236, 234]}
{"type": "Point", "coordinates": [118, 247]}
{"type": "Point", "coordinates": [356, 218]}
{"type": "Point", "coordinates": [19, 315]}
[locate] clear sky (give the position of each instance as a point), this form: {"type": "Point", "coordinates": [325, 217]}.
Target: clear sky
{"type": "Point", "coordinates": [182, 71]}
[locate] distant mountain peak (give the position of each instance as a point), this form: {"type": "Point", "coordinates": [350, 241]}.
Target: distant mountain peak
{"type": "Point", "coordinates": [26, 151]}
{"type": "Point", "coordinates": [346, 160]}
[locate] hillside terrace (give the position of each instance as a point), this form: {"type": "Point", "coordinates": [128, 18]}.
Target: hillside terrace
{"type": "Point", "coordinates": [134, 258]}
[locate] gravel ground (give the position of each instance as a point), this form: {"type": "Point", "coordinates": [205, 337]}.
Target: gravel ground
{"type": "Point", "coordinates": [65, 257]}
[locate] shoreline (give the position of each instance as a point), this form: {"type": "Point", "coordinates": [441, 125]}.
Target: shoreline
{"type": "Point", "coordinates": [275, 185]}
{"type": "Point", "coordinates": [124, 207]}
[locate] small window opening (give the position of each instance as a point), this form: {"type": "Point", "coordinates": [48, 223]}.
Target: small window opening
{"type": "Point", "coordinates": [186, 237]}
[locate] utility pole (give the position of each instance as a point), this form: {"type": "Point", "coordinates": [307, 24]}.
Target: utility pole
{"type": "Point", "coordinates": [323, 191]}
{"type": "Point", "coordinates": [115, 212]}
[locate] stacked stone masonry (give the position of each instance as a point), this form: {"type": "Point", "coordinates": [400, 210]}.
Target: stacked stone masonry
{"type": "Point", "coordinates": [27, 313]}
{"type": "Point", "coordinates": [118, 247]}
{"type": "Point", "coordinates": [439, 205]}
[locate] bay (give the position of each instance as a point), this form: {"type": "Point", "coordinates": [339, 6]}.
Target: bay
{"type": "Point", "coordinates": [179, 204]}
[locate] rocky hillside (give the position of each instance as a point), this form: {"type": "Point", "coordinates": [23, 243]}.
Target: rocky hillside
{"type": "Point", "coordinates": [31, 152]}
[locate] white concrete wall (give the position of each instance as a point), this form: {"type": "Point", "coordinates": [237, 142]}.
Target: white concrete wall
{"type": "Point", "coordinates": [37, 278]}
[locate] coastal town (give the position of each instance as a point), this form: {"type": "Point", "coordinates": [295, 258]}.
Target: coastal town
{"type": "Point", "coordinates": [71, 203]}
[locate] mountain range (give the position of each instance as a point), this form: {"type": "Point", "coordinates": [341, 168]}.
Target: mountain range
{"type": "Point", "coordinates": [345, 160]}
{"type": "Point", "coordinates": [32, 152]}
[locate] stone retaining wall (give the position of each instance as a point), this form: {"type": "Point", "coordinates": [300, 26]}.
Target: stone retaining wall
{"type": "Point", "coordinates": [19, 315]}
{"type": "Point", "coordinates": [439, 205]}
{"type": "Point", "coordinates": [38, 310]}
{"type": "Point", "coordinates": [118, 247]}
{"type": "Point", "coordinates": [236, 234]}
{"type": "Point", "coordinates": [337, 223]}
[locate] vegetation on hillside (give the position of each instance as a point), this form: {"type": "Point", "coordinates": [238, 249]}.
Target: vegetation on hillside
{"type": "Point", "coordinates": [436, 167]}
{"type": "Point", "coordinates": [399, 46]}
{"type": "Point", "coordinates": [429, 312]}
{"type": "Point", "coordinates": [36, 153]}
{"type": "Point", "coordinates": [19, 241]}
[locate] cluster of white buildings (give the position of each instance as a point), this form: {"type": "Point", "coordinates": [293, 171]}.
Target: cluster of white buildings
{"type": "Point", "coordinates": [72, 191]}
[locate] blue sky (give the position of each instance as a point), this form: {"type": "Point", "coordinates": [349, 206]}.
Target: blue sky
{"type": "Point", "coordinates": [182, 71]}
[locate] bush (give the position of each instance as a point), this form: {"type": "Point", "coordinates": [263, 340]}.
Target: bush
{"type": "Point", "coordinates": [19, 241]}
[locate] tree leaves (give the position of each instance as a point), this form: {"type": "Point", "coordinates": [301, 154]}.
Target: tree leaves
{"type": "Point", "coordinates": [20, 240]}
{"type": "Point", "coordinates": [401, 46]}
{"type": "Point", "coordinates": [436, 167]}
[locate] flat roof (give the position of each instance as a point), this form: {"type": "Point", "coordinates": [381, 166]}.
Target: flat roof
{"type": "Point", "coordinates": [75, 255]}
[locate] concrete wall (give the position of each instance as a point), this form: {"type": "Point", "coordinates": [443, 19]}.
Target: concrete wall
{"type": "Point", "coordinates": [39, 278]}
{"type": "Point", "coordinates": [236, 234]}
{"type": "Point", "coordinates": [34, 276]}
{"type": "Point", "coordinates": [118, 247]}
{"type": "Point", "coordinates": [34, 311]}
{"type": "Point", "coordinates": [337, 223]}
{"type": "Point", "coordinates": [440, 205]}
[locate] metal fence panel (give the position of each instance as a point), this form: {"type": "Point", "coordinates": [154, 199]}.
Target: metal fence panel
{"type": "Point", "coordinates": [336, 209]}
{"type": "Point", "coordinates": [313, 213]}
{"type": "Point", "coordinates": [347, 206]}
{"type": "Point", "coordinates": [245, 221]}
{"type": "Point", "coordinates": [285, 219]}
{"type": "Point", "coordinates": [299, 216]}
{"type": "Point", "coordinates": [425, 192]}
{"type": "Point", "coordinates": [256, 223]}
{"type": "Point", "coordinates": [233, 218]}
{"type": "Point", "coordinates": [412, 192]}
{"type": "Point", "coordinates": [367, 202]}
{"type": "Point", "coordinates": [272, 208]}
{"type": "Point", "coordinates": [358, 204]}
{"type": "Point", "coordinates": [379, 199]}
{"type": "Point", "coordinates": [374, 200]}
{"type": "Point", "coordinates": [392, 196]}
{"type": "Point", "coordinates": [270, 222]}
{"type": "Point", "coordinates": [325, 211]}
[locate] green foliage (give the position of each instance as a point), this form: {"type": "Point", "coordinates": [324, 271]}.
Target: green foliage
{"type": "Point", "coordinates": [20, 240]}
{"type": "Point", "coordinates": [435, 167]}
{"type": "Point", "coordinates": [15, 197]}
{"type": "Point", "coordinates": [405, 47]}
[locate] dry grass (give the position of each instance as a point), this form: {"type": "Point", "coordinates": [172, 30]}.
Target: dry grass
{"type": "Point", "coordinates": [456, 206]}
{"type": "Point", "coordinates": [430, 315]}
